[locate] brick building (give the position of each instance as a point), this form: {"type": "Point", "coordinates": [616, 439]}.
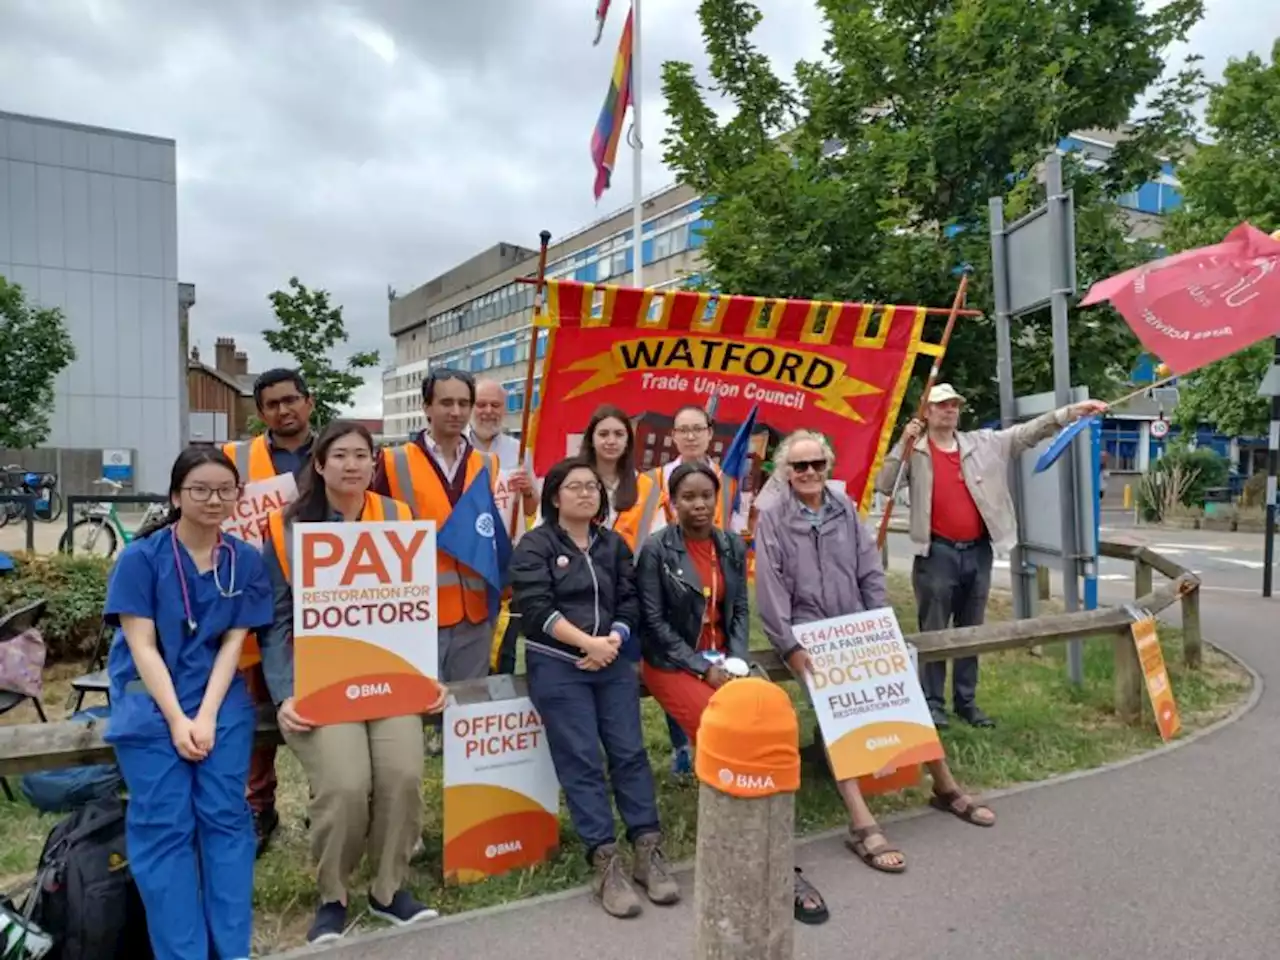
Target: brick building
{"type": "Point", "coordinates": [220, 396]}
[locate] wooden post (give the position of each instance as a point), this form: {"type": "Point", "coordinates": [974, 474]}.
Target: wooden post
{"type": "Point", "coordinates": [1191, 640]}
{"type": "Point", "coordinates": [748, 760]}
{"type": "Point", "coordinates": [1129, 680]}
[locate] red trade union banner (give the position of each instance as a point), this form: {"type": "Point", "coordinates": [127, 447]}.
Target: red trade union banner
{"type": "Point", "coordinates": [838, 368]}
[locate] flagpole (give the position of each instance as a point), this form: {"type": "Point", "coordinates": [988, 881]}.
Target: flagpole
{"type": "Point", "coordinates": [637, 154]}
{"type": "Point", "coordinates": [526, 414]}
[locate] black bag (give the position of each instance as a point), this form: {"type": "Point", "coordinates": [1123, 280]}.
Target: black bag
{"type": "Point", "coordinates": [86, 899]}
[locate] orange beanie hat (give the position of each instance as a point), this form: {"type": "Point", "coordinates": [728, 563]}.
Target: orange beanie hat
{"type": "Point", "coordinates": [749, 740]}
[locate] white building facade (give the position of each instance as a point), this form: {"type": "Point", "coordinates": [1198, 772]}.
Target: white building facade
{"type": "Point", "coordinates": [88, 224]}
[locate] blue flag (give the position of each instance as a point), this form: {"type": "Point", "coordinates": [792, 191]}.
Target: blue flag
{"type": "Point", "coordinates": [475, 536]}
{"type": "Point", "coordinates": [1061, 442]}
{"type": "Point", "coordinates": [735, 462]}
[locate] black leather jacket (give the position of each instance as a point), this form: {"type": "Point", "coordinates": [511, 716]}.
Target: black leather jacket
{"type": "Point", "coordinates": [672, 603]}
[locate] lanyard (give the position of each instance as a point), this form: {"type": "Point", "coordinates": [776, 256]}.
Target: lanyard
{"type": "Point", "coordinates": [187, 611]}
{"type": "Point", "coordinates": [711, 593]}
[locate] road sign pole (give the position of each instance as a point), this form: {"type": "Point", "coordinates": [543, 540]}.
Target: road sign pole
{"type": "Point", "coordinates": [1273, 468]}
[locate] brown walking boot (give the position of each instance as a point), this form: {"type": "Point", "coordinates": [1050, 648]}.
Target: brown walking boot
{"type": "Point", "coordinates": [610, 884]}
{"type": "Point", "coordinates": [650, 870]}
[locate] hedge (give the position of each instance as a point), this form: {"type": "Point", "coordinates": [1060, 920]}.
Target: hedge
{"type": "Point", "coordinates": [75, 588]}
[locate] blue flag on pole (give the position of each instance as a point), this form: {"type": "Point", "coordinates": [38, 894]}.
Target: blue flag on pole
{"type": "Point", "coordinates": [1061, 442]}
{"type": "Point", "coordinates": [734, 464]}
{"type": "Point", "coordinates": [475, 536]}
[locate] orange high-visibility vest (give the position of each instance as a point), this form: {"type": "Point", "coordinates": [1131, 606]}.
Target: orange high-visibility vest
{"type": "Point", "coordinates": [462, 593]}
{"type": "Point", "coordinates": [252, 459]}
{"type": "Point", "coordinates": [376, 509]}
{"type": "Point", "coordinates": [635, 525]}
{"type": "Point", "coordinates": [253, 462]}
{"type": "Point", "coordinates": [724, 504]}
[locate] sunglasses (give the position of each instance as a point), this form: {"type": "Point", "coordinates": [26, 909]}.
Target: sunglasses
{"type": "Point", "coordinates": [804, 466]}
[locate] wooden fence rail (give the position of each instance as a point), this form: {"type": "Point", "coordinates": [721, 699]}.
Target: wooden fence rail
{"type": "Point", "coordinates": [44, 746]}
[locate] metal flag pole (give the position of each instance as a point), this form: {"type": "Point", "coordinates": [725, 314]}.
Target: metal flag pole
{"type": "Point", "coordinates": [539, 293]}
{"type": "Point", "coordinates": [637, 154]}
{"type": "Point", "coordinates": [956, 304]}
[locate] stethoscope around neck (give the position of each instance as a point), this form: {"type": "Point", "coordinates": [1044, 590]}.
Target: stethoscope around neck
{"type": "Point", "coordinates": [227, 593]}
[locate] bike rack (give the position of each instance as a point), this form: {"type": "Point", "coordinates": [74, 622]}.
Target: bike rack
{"type": "Point", "coordinates": [76, 499]}
{"type": "Point", "coordinates": [28, 501]}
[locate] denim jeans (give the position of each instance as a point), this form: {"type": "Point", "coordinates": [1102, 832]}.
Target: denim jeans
{"type": "Point", "coordinates": [951, 588]}
{"type": "Point", "coordinates": [581, 711]}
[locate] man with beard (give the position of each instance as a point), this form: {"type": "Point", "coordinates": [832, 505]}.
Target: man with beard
{"type": "Point", "coordinates": [285, 406]}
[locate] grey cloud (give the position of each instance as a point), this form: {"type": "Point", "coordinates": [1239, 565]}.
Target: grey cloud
{"type": "Point", "coordinates": [303, 151]}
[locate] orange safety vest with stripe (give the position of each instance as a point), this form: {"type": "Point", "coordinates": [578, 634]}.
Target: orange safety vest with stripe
{"type": "Point", "coordinates": [635, 525]}
{"type": "Point", "coordinates": [724, 503]}
{"type": "Point", "coordinates": [376, 509]}
{"type": "Point", "coordinates": [253, 462]}
{"type": "Point", "coordinates": [462, 593]}
{"type": "Point", "coordinates": [252, 459]}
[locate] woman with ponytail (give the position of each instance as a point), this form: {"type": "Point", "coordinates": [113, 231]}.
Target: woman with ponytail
{"type": "Point", "coordinates": [365, 778]}
{"type": "Point", "coordinates": [182, 597]}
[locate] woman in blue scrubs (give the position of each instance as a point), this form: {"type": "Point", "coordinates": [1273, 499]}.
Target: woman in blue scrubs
{"type": "Point", "coordinates": [183, 596]}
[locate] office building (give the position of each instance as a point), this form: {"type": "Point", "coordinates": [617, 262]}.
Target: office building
{"type": "Point", "coordinates": [89, 224]}
{"type": "Point", "coordinates": [476, 316]}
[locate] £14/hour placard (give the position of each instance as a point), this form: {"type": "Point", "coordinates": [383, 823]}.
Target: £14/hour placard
{"type": "Point", "coordinates": [867, 694]}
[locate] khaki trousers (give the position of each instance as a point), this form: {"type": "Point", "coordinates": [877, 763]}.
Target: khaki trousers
{"type": "Point", "coordinates": [366, 785]}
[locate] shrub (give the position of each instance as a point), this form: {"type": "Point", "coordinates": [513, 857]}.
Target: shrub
{"type": "Point", "coordinates": [1205, 467]}
{"type": "Point", "coordinates": [75, 588]}
{"type": "Point", "coordinates": [1255, 491]}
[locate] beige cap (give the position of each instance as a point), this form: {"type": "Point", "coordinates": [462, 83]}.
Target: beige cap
{"type": "Point", "coordinates": [943, 392]}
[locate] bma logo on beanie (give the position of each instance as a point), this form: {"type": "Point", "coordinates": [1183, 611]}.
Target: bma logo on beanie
{"type": "Point", "coordinates": [749, 740]}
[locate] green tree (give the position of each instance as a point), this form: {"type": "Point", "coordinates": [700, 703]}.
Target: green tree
{"type": "Point", "coordinates": [34, 348]}
{"type": "Point", "coordinates": [308, 328]}
{"type": "Point", "coordinates": [1234, 176]}
{"type": "Point", "coordinates": [869, 178]}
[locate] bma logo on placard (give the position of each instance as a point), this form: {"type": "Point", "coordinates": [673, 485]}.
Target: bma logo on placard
{"type": "Point", "coordinates": [499, 849]}
{"type": "Point", "coordinates": [484, 525]}
{"type": "Point", "coordinates": [358, 691]}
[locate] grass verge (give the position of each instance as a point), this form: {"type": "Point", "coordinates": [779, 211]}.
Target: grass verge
{"type": "Point", "coordinates": [1046, 727]}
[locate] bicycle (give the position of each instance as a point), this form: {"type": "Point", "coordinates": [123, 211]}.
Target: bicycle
{"type": "Point", "coordinates": [44, 486]}
{"type": "Point", "coordinates": [101, 525]}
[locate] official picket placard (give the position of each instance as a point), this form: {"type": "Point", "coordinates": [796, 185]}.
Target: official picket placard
{"type": "Point", "coordinates": [258, 500]}
{"type": "Point", "coordinates": [867, 695]}
{"type": "Point", "coordinates": [364, 620]}
{"type": "Point", "coordinates": [501, 795]}
{"type": "Point", "coordinates": [1159, 689]}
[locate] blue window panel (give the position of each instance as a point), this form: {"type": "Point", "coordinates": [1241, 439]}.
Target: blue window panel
{"type": "Point", "coordinates": [1128, 200]}
{"type": "Point", "coordinates": [1167, 168]}
{"type": "Point", "coordinates": [477, 362]}
{"type": "Point", "coordinates": [1149, 198]}
{"type": "Point", "coordinates": [696, 237]}
{"type": "Point", "coordinates": [511, 403]}
{"type": "Point", "coordinates": [586, 274]}
{"type": "Point", "coordinates": [648, 251]}
{"type": "Point", "coordinates": [1144, 371]}
{"type": "Point", "coordinates": [542, 347]}
{"type": "Point", "coordinates": [1069, 144]}
{"type": "Point", "coordinates": [507, 354]}
{"type": "Point", "coordinates": [631, 261]}
{"type": "Point", "coordinates": [536, 395]}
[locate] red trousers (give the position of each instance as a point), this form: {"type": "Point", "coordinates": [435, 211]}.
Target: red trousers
{"type": "Point", "coordinates": [261, 789]}
{"type": "Point", "coordinates": [682, 695]}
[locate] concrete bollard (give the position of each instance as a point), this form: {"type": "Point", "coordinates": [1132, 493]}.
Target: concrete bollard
{"type": "Point", "coordinates": [748, 762]}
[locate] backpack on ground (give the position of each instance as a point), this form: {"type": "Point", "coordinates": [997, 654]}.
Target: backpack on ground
{"type": "Point", "coordinates": [86, 899]}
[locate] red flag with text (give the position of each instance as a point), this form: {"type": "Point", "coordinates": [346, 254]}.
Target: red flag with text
{"type": "Point", "coordinates": [838, 368]}
{"type": "Point", "coordinates": [1201, 305]}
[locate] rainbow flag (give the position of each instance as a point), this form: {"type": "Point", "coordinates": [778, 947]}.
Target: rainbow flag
{"type": "Point", "coordinates": [602, 12]}
{"type": "Point", "coordinates": [604, 142]}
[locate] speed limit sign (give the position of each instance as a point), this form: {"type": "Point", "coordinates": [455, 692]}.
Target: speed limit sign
{"type": "Point", "coordinates": [1159, 429]}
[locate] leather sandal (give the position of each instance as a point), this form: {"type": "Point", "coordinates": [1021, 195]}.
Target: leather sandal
{"type": "Point", "coordinates": [857, 842]}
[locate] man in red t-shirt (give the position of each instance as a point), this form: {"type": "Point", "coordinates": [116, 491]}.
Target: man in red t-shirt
{"type": "Point", "coordinates": [960, 510]}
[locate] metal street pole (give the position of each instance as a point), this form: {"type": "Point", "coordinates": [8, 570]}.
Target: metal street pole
{"type": "Point", "coordinates": [1062, 287]}
{"type": "Point", "coordinates": [1273, 468]}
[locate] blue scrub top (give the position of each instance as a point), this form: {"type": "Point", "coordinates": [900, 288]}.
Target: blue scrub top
{"type": "Point", "coordinates": [145, 583]}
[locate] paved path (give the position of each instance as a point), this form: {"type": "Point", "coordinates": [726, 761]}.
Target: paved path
{"type": "Point", "coordinates": [1174, 857]}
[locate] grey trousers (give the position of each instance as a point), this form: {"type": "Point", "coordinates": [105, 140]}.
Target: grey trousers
{"type": "Point", "coordinates": [464, 651]}
{"type": "Point", "coordinates": [951, 587]}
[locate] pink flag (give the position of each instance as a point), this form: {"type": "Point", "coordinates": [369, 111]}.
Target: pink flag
{"type": "Point", "coordinates": [602, 13]}
{"type": "Point", "coordinates": [1201, 305]}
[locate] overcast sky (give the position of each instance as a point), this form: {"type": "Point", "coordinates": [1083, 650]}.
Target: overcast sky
{"type": "Point", "coordinates": [372, 142]}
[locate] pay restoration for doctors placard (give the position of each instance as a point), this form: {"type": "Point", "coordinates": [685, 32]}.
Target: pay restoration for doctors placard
{"type": "Point", "coordinates": [501, 795]}
{"type": "Point", "coordinates": [867, 695]}
{"type": "Point", "coordinates": [364, 620]}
